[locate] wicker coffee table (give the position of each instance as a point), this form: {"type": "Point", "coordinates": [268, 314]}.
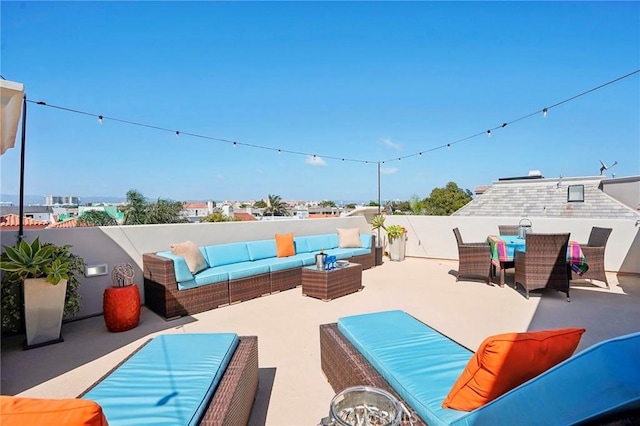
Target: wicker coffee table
{"type": "Point", "coordinates": [327, 285]}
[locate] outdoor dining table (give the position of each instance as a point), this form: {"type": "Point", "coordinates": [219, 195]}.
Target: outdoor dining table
{"type": "Point", "coordinates": [503, 250]}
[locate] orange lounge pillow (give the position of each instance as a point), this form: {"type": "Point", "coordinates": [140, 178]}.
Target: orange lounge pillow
{"type": "Point", "coordinates": [505, 361]}
{"type": "Point", "coordinates": [284, 245]}
{"type": "Point", "coordinates": [15, 411]}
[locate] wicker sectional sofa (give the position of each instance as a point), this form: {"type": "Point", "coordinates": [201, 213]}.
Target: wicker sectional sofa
{"type": "Point", "coordinates": [238, 271]}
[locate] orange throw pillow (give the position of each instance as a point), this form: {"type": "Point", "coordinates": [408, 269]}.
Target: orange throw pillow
{"type": "Point", "coordinates": [15, 411]}
{"type": "Point", "coordinates": [505, 361]}
{"type": "Point", "coordinates": [284, 245]}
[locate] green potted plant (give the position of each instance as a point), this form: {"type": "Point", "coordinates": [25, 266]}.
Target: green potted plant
{"type": "Point", "coordinates": [46, 274]}
{"type": "Point", "coordinates": [397, 236]}
{"type": "Point", "coordinates": [376, 223]}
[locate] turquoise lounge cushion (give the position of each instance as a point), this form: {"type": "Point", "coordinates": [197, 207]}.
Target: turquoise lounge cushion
{"type": "Point", "coordinates": [320, 242]}
{"type": "Point", "coordinates": [418, 362]}
{"type": "Point", "coordinates": [340, 253]}
{"type": "Point", "coordinates": [301, 245]}
{"type": "Point", "coordinates": [167, 382]}
{"type": "Point", "coordinates": [365, 239]}
{"type": "Point", "coordinates": [237, 271]}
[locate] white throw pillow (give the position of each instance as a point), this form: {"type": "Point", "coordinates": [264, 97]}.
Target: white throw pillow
{"type": "Point", "coordinates": [192, 255]}
{"type": "Point", "coordinates": [349, 238]}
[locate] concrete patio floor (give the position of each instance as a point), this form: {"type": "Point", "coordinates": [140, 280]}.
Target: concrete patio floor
{"type": "Point", "coordinates": [292, 389]}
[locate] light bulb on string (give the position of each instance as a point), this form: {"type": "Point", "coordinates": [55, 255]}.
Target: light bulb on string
{"type": "Point", "coordinates": [504, 124]}
{"type": "Point", "coordinates": [235, 144]}
{"type": "Point", "coordinates": [100, 119]}
{"type": "Point", "coordinates": [488, 133]}
{"type": "Point", "coordinates": [420, 154]}
{"type": "Point", "coordinates": [177, 134]}
{"type": "Point", "coordinates": [448, 145]}
{"type": "Point", "coordinates": [279, 151]}
{"type": "Point", "coordinates": [544, 113]}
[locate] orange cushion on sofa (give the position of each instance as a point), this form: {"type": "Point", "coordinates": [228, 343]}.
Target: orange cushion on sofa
{"type": "Point", "coordinates": [16, 411]}
{"type": "Point", "coordinates": [284, 245]}
{"type": "Point", "coordinates": [505, 361]}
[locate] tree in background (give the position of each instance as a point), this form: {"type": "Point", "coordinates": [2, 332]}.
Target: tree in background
{"type": "Point", "coordinates": [327, 203]}
{"type": "Point", "coordinates": [135, 209]}
{"type": "Point", "coordinates": [416, 205]}
{"type": "Point", "coordinates": [138, 211]}
{"type": "Point", "coordinates": [165, 211]}
{"type": "Point", "coordinates": [96, 218]}
{"type": "Point", "coordinates": [260, 204]}
{"type": "Point", "coordinates": [217, 216]}
{"type": "Point", "coordinates": [350, 206]}
{"type": "Point", "coordinates": [445, 201]}
{"type": "Point", "coordinates": [373, 203]}
{"type": "Point", "coordinates": [275, 206]}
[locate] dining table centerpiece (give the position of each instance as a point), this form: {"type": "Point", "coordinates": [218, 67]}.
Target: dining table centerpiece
{"type": "Point", "coordinates": [397, 240]}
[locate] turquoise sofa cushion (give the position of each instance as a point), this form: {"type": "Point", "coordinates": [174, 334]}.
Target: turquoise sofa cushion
{"type": "Point", "coordinates": [365, 239]}
{"type": "Point", "coordinates": [262, 249]}
{"type": "Point", "coordinates": [418, 362]}
{"type": "Point", "coordinates": [167, 382]}
{"type": "Point", "coordinates": [301, 245]}
{"type": "Point", "coordinates": [237, 271]}
{"type": "Point", "coordinates": [283, 263]}
{"type": "Point", "coordinates": [225, 254]}
{"type": "Point", "coordinates": [340, 253]}
{"type": "Point", "coordinates": [307, 259]}
{"type": "Point", "coordinates": [320, 242]}
{"type": "Point", "coordinates": [183, 274]}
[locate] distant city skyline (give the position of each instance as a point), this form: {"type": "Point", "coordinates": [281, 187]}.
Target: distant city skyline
{"type": "Point", "coordinates": [300, 85]}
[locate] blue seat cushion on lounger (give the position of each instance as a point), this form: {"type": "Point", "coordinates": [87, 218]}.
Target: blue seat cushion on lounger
{"type": "Point", "coordinates": [365, 239]}
{"type": "Point", "coordinates": [167, 382]}
{"type": "Point", "coordinates": [321, 242]}
{"type": "Point", "coordinates": [418, 362]}
{"type": "Point", "coordinates": [300, 244]}
{"type": "Point", "coordinates": [360, 251]}
{"type": "Point", "coordinates": [237, 271]}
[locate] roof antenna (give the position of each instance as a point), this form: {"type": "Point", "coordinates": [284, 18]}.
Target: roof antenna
{"type": "Point", "coordinates": [559, 182]}
{"type": "Point", "coordinates": [605, 167]}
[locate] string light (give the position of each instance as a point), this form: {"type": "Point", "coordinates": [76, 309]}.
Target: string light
{"type": "Point", "coordinates": [448, 145]}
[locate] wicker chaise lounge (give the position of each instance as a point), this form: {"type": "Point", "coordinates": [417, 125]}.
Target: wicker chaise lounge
{"type": "Point", "coordinates": [169, 385]}
{"type": "Point", "coordinates": [418, 365]}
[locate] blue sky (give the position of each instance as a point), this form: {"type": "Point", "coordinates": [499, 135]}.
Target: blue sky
{"type": "Point", "coordinates": [370, 81]}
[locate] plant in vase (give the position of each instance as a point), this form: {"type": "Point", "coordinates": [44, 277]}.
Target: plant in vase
{"type": "Point", "coordinates": [397, 236]}
{"type": "Point", "coordinates": [376, 223]}
{"type": "Point", "coordinates": [46, 274]}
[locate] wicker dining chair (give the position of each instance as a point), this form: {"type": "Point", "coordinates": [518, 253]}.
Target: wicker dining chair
{"type": "Point", "coordinates": [544, 265]}
{"type": "Point", "coordinates": [594, 253]}
{"type": "Point", "coordinates": [474, 259]}
{"type": "Point", "coordinates": [508, 229]}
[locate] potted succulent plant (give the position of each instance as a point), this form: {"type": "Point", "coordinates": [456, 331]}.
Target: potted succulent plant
{"type": "Point", "coordinates": [44, 271]}
{"type": "Point", "coordinates": [376, 223]}
{"type": "Point", "coordinates": [397, 236]}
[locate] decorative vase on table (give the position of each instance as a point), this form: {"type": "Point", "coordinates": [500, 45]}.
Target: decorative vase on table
{"type": "Point", "coordinates": [121, 302]}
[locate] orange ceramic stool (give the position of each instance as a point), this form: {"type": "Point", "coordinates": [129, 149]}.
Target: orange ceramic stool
{"type": "Point", "coordinates": [121, 306]}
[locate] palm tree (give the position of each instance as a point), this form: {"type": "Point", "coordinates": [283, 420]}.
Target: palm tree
{"type": "Point", "coordinates": [275, 206]}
